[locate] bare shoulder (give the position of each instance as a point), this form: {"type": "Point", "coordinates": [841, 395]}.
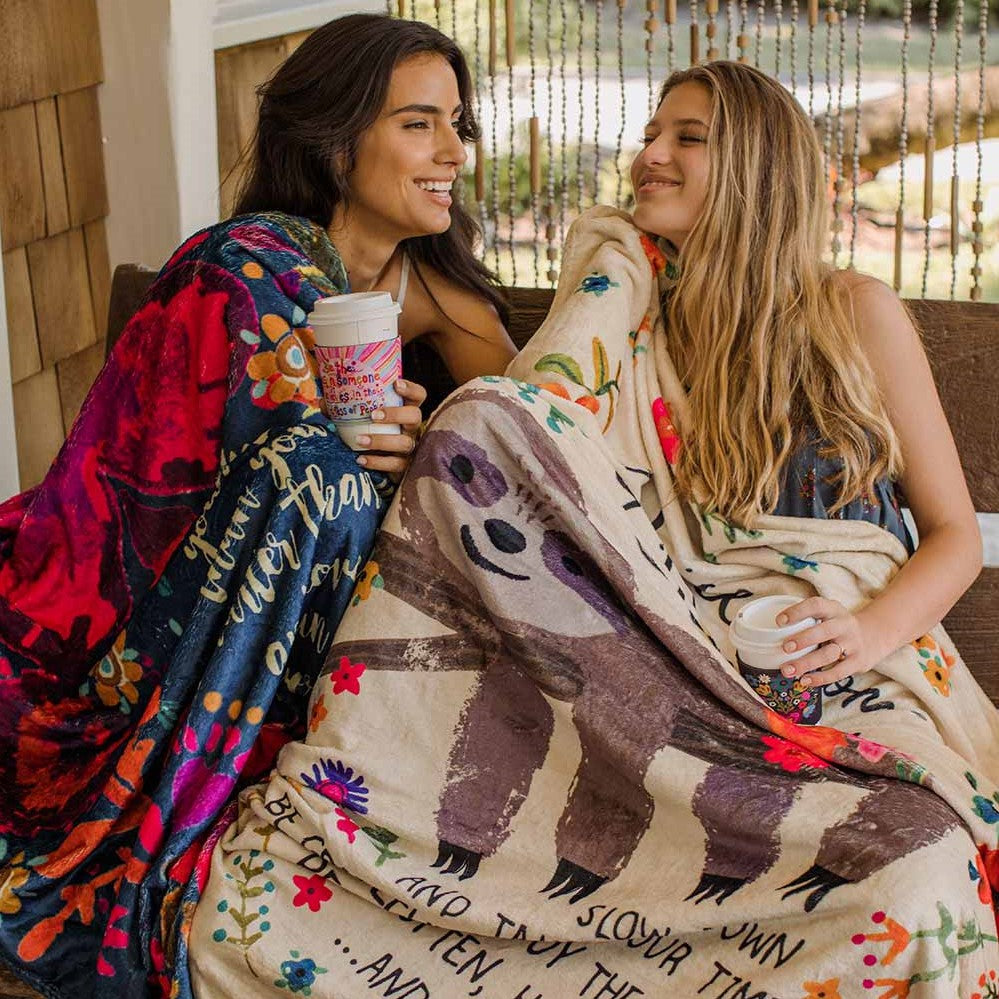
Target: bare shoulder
{"type": "Point", "coordinates": [882, 321]}
{"type": "Point", "coordinates": [452, 307]}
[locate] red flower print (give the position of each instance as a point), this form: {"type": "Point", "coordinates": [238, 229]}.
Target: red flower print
{"type": "Point", "coordinates": [985, 870]}
{"type": "Point", "coordinates": [347, 676]}
{"type": "Point", "coordinates": [312, 891]}
{"type": "Point", "coordinates": [655, 256]}
{"type": "Point", "coordinates": [790, 757]}
{"type": "Point", "coordinates": [988, 982]}
{"type": "Point", "coordinates": [669, 439]}
{"type": "Point", "coordinates": [346, 825]}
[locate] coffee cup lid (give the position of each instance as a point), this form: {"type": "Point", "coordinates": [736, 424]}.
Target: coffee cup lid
{"type": "Point", "coordinates": [354, 307]}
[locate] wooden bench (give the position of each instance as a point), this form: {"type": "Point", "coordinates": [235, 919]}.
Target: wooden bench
{"type": "Point", "coordinates": [962, 341]}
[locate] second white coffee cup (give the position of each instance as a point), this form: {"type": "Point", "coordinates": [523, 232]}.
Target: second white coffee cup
{"type": "Point", "coordinates": [757, 637]}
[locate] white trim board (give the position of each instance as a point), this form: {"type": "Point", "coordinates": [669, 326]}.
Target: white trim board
{"type": "Point", "coordinates": [237, 22]}
{"type": "Point", "coordinates": [10, 482]}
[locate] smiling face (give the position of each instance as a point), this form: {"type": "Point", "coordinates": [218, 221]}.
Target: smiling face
{"type": "Point", "coordinates": [670, 175]}
{"type": "Point", "coordinates": [408, 159]}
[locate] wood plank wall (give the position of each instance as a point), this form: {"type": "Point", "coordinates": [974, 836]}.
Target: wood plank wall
{"type": "Point", "coordinates": [238, 72]}
{"type": "Point", "coordinates": [53, 202]}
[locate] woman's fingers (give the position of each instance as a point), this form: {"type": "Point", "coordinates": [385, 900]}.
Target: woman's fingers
{"type": "Point", "coordinates": [396, 444]}
{"type": "Point", "coordinates": [405, 416]}
{"type": "Point", "coordinates": [411, 391]}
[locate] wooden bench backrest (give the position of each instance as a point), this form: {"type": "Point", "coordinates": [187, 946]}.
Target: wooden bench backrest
{"type": "Point", "coordinates": [962, 342]}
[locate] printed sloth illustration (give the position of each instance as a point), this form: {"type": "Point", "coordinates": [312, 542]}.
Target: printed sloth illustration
{"type": "Point", "coordinates": [538, 619]}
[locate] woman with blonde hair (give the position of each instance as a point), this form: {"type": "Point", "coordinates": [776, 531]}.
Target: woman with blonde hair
{"type": "Point", "coordinates": [808, 387]}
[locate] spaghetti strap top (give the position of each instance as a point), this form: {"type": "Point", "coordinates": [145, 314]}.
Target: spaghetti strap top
{"type": "Point", "coordinates": [403, 281]}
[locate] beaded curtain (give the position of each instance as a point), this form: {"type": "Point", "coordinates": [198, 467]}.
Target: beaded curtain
{"type": "Point", "coordinates": [904, 108]}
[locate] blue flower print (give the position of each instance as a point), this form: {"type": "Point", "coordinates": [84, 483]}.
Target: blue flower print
{"type": "Point", "coordinates": [597, 284]}
{"type": "Point", "coordinates": [338, 783]}
{"type": "Point", "coordinates": [299, 975]}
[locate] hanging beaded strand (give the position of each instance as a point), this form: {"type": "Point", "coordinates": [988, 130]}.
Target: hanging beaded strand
{"type": "Point", "coordinates": [624, 103]}
{"type": "Point", "coordinates": [855, 171]}
{"type": "Point", "coordinates": [551, 230]}
{"type": "Point", "coordinates": [695, 41]}
{"type": "Point", "coordinates": [511, 173]}
{"type": "Point", "coordinates": [535, 134]}
{"type": "Point", "coordinates": [761, 12]}
{"type": "Point", "coordinates": [742, 40]}
{"type": "Point", "coordinates": [828, 129]}
{"type": "Point", "coordinates": [480, 151]}
{"type": "Point", "coordinates": [454, 19]}
{"type": "Point", "coordinates": [813, 20]}
{"type": "Point", "coordinates": [437, 14]}
{"type": "Point", "coordinates": [778, 31]}
{"type": "Point", "coordinates": [837, 221]}
{"type": "Point", "coordinates": [955, 218]}
{"type": "Point", "coordinates": [711, 7]}
{"type": "Point", "coordinates": [977, 206]}
{"type": "Point", "coordinates": [563, 201]}
{"type": "Point", "coordinates": [729, 20]}
{"type": "Point", "coordinates": [650, 35]}
{"type": "Point", "coordinates": [793, 45]}
{"type": "Point", "coordinates": [598, 10]}
{"type": "Point", "coordinates": [669, 16]}
{"type": "Point", "coordinates": [930, 148]}
{"type": "Point", "coordinates": [494, 173]}
{"type": "Point", "coordinates": [903, 144]}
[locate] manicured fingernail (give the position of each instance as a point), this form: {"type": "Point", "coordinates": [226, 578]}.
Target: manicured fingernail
{"type": "Point", "coordinates": [782, 619]}
{"type": "Point", "coordinates": [362, 460]}
{"type": "Point", "coordinates": [400, 385]}
{"type": "Point", "coordinates": [805, 681]}
{"type": "Point", "coordinates": [790, 646]}
{"type": "Point", "coordinates": [377, 415]}
{"type": "Point", "coordinates": [788, 670]}
{"type": "Point", "coordinates": [364, 440]}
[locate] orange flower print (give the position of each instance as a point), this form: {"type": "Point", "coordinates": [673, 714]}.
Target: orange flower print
{"type": "Point", "coordinates": [935, 663]}
{"type": "Point", "coordinates": [289, 372]}
{"type": "Point", "coordinates": [370, 577]}
{"type": "Point", "coordinates": [15, 878]}
{"type": "Point", "coordinates": [115, 676]}
{"type": "Point", "coordinates": [988, 986]}
{"type": "Point", "coordinates": [555, 388]}
{"type": "Point", "coordinates": [822, 990]}
{"type": "Point", "coordinates": [894, 934]}
{"type": "Point", "coordinates": [319, 713]}
{"type": "Point", "coordinates": [820, 739]}
{"type": "Point", "coordinates": [895, 988]}
{"type": "Point", "coordinates": [655, 256]}
{"type": "Point", "coordinates": [938, 675]}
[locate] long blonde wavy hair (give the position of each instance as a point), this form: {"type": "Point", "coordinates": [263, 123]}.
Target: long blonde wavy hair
{"type": "Point", "coordinates": [757, 324]}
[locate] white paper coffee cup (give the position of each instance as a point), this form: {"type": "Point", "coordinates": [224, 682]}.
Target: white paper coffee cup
{"type": "Point", "coordinates": [757, 637]}
{"type": "Point", "coordinates": [359, 353]}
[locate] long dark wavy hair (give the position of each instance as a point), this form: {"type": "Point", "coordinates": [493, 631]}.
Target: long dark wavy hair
{"type": "Point", "coordinates": [313, 111]}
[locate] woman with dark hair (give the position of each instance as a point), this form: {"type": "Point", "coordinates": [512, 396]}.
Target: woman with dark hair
{"type": "Point", "coordinates": [168, 591]}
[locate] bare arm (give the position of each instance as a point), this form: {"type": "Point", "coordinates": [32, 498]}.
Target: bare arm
{"type": "Point", "coordinates": [949, 556]}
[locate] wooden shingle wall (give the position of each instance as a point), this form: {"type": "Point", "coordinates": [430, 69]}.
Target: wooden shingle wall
{"type": "Point", "coordinates": [53, 202]}
{"type": "Point", "coordinates": [238, 72]}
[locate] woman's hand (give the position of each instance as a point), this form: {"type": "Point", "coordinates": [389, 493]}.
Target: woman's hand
{"type": "Point", "coordinates": [394, 451]}
{"type": "Point", "coordinates": [844, 645]}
